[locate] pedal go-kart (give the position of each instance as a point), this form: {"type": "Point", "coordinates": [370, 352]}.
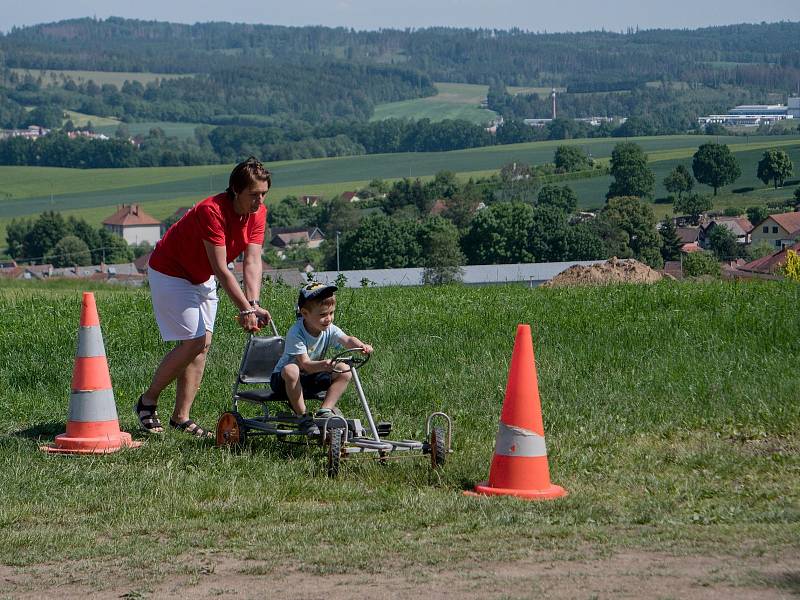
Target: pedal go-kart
{"type": "Point", "coordinates": [340, 436]}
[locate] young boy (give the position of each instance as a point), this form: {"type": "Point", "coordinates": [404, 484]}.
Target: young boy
{"type": "Point", "coordinates": [302, 370]}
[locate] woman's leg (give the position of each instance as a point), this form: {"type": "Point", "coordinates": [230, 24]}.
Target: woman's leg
{"type": "Point", "coordinates": [189, 381]}
{"type": "Point", "coordinates": [174, 364]}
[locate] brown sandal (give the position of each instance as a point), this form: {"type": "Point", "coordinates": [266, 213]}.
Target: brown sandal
{"type": "Point", "coordinates": [191, 428]}
{"type": "Point", "coordinates": [148, 417]}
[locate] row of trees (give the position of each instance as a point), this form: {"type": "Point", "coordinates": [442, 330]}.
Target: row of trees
{"type": "Point", "coordinates": [50, 238]}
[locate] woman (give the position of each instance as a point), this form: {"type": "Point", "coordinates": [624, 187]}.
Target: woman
{"type": "Point", "coordinates": [183, 272]}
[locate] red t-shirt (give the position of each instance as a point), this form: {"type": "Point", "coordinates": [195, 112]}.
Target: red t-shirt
{"type": "Point", "coordinates": [181, 253]}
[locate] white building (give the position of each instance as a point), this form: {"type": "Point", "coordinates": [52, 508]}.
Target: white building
{"type": "Point", "coordinates": [134, 225]}
{"type": "Point", "coordinates": [753, 115]}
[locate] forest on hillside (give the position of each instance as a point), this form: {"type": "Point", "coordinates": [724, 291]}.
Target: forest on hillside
{"type": "Point", "coordinates": [304, 92]}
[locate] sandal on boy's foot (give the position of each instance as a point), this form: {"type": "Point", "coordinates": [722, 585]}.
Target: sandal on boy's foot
{"type": "Point", "coordinates": [306, 425]}
{"type": "Point", "coordinates": [191, 428]}
{"type": "Point", "coordinates": [328, 412]}
{"type": "Point", "coordinates": [147, 417]}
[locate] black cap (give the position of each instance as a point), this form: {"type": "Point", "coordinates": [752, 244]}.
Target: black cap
{"type": "Point", "coordinates": [316, 289]}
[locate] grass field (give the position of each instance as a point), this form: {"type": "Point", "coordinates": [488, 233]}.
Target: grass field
{"type": "Point", "coordinates": [454, 101]}
{"type": "Point", "coordinates": [116, 78]}
{"type": "Point", "coordinates": [94, 194]}
{"type": "Point", "coordinates": [179, 130]}
{"type": "Point", "coordinates": [670, 413]}
{"type": "Point", "coordinates": [107, 125]}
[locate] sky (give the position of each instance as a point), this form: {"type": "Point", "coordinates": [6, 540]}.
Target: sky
{"type": "Point", "coordinates": [531, 15]}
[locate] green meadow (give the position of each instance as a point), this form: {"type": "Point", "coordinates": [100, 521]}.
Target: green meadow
{"type": "Point", "coordinates": [670, 415]}
{"type": "Point", "coordinates": [94, 194]}
{"type": "Point", "coordinates": [453, 101]}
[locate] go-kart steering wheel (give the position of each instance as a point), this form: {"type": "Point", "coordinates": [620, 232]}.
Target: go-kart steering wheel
{"type": "Point", "coordinates": [352, 357]}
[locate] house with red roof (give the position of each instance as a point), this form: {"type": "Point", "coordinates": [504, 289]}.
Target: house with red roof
{"type": "Point", "coordinates": [134, 225]}
{"type": "Point", "coordinates": [767, 266]}
{"type": "Point", "coordinates": [739, 226]}
{"type": "Point", "coordinates": [779, 230]}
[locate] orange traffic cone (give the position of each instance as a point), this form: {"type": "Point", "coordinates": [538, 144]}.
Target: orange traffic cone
{"type": "Point", "coordinates": [92, 426]}
{"type": "Point", "coordinates": [519, 467]}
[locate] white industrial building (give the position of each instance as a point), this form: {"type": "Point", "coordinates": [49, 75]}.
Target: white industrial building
{"type": "Point", "coordinates": [753, 115]}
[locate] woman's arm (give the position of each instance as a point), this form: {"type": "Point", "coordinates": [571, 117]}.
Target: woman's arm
{"type": "Point", "coordinates": [252, 280]}
{"type": "Point", "coordinates": [216, 257]}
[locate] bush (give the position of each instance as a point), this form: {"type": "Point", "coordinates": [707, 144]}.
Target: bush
{"type": "Point", "coordinates": [701, 263]}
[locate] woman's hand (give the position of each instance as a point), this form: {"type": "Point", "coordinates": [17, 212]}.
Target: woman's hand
{"type": "Point", "coordinates": [249, 322]}
{"type": "Point", "coordinates": [263, 316]}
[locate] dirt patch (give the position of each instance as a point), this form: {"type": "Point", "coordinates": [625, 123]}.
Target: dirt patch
{"type": "Point", "coordinates": [613, 270]}
{"type": "Point", "coordinates": [628, 574]}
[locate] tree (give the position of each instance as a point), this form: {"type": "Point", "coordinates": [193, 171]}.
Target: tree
{"type": "Point", "coordinates": [380, 242]}
{"type": "Point", "coordinates": [70, 251]}
{"type": "Point", "coordinates": [285, 213]}
{"type": "Point", "coordinates": [16, 231]}
{"type": "Point", "coordinates": [517, 183]}
{"type": "Point", "coordinates": [461, 207]}
{"type": "Point", "coordinates": [756, 214]}
{"type": "Point", "coordinates": [548, 237]}
{"type": "Point", "coordinates": [442, 257]}
{"type": "Point", "coordinates": [715, 165]}
{"type": "Point", "coordinates": [443, 185]}
{"type": "Point", "coordinates": [722, 242]}
{"type": "Point", "coordinates": [339, 215]}
{"type": "Point", "coordinates": [791, 268]}
{"type": "Point", "coordinates": [670, 242]}
{"type": "Point", "coordinates": [634, 219]}
{"type": "Point", "coordinates": [679, 181]}
{"type": "Point", "coordinates": [696, 264]}
{"type": "Point", "coordinates": [45, 233]}
{"type": "Point", "coordinates": [499, 235]}
{"type": "Point", "coordinates": [693, 205]}
{"type": "Point", "coordinates": [113, 248]}
{"type": "Point", "coordinates": [632, 176]}
{"type": "Point", "coordinates": [571, 158]}
{"type": "Point", "coordinates": [583, 243]}
{"type": "Point", "coordinates": [776, 166]}
{"type": "Point", "coordinates": [559, 197]}
{"type": "Point", "coordinates": [797, 195]}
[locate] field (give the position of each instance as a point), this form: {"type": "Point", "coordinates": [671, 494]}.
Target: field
{"type": "Point", "coordinates": [94, 194]}
{"type": "Point", "coordinates": [454, 101]}
{"type": "Point", "coordinates": [116, 78]}
{"type": "Point", "coordinates": [670, 414]}
{"type": "Point", "coordinates": [178, 130]}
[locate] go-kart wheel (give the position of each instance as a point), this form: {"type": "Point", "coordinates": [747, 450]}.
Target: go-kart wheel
{"type": "Point", "coordinates": [231, 430]}
{"type": "Point", "coordinates": [437, 448]}
{"type": "Point", "coordinates": [354, 358]}
{"type": "Point", "coordinates": [335, 443]}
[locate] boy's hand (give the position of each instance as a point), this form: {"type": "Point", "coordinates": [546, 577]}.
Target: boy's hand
{"type": "Point", "coordinates": [366, 349]}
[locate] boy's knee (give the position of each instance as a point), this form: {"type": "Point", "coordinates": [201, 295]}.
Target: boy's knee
{"type": "Point", "coordinates": [346, 376]}
{"type": "Point", "coordinates": [290, 373]}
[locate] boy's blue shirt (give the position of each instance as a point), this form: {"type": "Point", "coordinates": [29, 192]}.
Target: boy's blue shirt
{"type": "Point", "coordinates": [299, 341]}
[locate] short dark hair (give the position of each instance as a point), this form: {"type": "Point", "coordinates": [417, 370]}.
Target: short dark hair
{"type": "Point", "coordinates": [246, 174]}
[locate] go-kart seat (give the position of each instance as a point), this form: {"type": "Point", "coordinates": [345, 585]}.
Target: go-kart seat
{"type": "Point", "coordinates": [261, 354]}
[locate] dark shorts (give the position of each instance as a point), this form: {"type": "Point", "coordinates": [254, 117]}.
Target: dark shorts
{"type": "Point", "coordinates": [313, 384]}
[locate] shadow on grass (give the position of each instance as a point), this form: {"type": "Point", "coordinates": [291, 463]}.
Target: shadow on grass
{"type": "Point", "coordinates": [42, 431]}
{"type": "Point", "coordinates": [789, 581]}
{"type": "Point", "coordinates": [743, 190]}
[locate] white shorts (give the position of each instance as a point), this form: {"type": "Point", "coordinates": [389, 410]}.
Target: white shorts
{"type": "Point", "coordinates": [184, 311]}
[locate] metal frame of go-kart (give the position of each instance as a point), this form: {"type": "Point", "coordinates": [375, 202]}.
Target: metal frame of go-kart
{"type": "Point", "coordinates": [341, 437]}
